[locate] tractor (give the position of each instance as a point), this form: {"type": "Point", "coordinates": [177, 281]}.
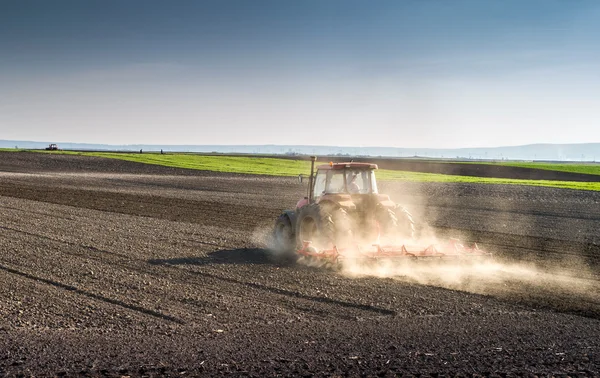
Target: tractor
{"type": "Point", "coordinates": [344, 215]}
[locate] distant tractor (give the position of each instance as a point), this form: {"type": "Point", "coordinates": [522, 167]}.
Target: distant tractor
{"type": "Point", "coordinates": [345, 216]}
{"type": "Point", "coordinates": [52, 147]}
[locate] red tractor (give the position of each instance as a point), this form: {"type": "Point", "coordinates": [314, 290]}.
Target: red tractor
{"type": "Point", "coordinates": [344, 214]}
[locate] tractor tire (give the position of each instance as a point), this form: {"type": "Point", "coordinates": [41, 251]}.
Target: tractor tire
{"type": "Point", "coordinates": [324, 228]}
{"type": "Point", "coordinates": [397, 222]}
{"type": "Point", "coordinates": [283, 236]}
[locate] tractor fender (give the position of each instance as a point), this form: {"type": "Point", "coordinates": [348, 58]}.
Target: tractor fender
{"type": "Point", "coordinates": [385, 201]}
{"type": "Point", "coordinates": [346, 204]}
{"type": "Point", "coordinates": [303, 202]}
{"type": "Point", "coordinates": [343, 201]}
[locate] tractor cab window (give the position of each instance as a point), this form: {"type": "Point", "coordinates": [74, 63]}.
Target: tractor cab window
{"type": "Point", "coordinates": [319, 187]}
{"type": "Point", "coordinates": [357, 181]}
{"type": "Point", "coordinates": [330, 182]}
{"type": "Point", "coordinates": [335, 181]}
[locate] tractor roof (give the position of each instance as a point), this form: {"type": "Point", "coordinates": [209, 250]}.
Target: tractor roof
{"type": "Point", "coordinates": [350, 165]}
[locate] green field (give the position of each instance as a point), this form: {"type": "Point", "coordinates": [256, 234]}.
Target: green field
{"type": "Point", "coordinates": [231, 164]}
{"type": "Point", "coordinates": [288, 167]}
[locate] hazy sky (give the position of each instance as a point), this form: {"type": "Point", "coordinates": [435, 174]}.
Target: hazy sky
{"type": "Point", "coordinates": [399, 73]}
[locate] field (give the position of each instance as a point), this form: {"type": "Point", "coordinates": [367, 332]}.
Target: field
{"type": "Point", "coordinates": [589, 168]}
{"type": "Point", "coordinates": [582, 175]}
{"type": "Point", "coordinates": [116, 268]}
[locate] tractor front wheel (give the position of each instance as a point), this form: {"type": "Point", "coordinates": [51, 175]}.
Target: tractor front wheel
{"type": "Point", "coordinates": [311, 226]}
{"type": "Point", "coordinates": [283, 235]}
{"type": "Point", "coordinates": [324, 227]}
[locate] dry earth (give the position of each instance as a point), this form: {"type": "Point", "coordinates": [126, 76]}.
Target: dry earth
{"type": "Point", "coordinates": [479, 170]}
{"type": "Point", "coordinates": [120, 269]}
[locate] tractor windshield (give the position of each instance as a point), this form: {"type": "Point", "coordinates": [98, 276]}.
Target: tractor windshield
{"type": "Point", "coordinates": [335, 182]}
{"type": "Point", "coordinates": [360, 181]}
{"type": "Point", "coordinates": [357, 181]}
{"type": "Point", "coordinates": [353, 181]}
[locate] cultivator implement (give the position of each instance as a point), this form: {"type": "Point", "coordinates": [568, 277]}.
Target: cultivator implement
{"type": "Point", "coordinates": [453, 249]}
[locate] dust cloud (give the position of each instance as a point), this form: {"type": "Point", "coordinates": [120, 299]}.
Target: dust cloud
{"type": "Point", "coordinates": [486, 276]}
{"type": "Point", "coordinates": [498, 275]}
{"type": "Point", "coordinates": [489, 275]}
{"type": "Point", "coordinates": [549, 285]}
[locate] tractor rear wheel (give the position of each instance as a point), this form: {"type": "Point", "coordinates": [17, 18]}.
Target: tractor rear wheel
{"type": "Point", "coordinates": [397, 222]}
{"type": "Point", "coordinates": [323, 227]}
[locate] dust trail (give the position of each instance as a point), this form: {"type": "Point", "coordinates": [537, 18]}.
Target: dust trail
{"type": "Point", "coordinates": [264, 238]}
{"type": "Point", "coordinates": [546, 285]}
{"type": "Point", "coordinates": [482, 277]}
{"type": "Point", "coordinates": [557, 286]}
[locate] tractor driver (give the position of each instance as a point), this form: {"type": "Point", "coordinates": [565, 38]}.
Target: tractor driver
{"type": "Point", "coordinates": [353, 187]}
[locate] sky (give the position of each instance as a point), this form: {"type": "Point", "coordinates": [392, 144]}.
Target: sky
{"type": "Point", "coordinates": [401, 73]}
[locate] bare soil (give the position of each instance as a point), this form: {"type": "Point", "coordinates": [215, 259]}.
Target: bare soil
{"type": "Point", "coordinates": [121, 269]}
{"type": "Point", "coordinates": [478, 170]}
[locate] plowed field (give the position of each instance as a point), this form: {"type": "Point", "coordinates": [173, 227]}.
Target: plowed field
{"type": "Point", "coordinates": [120, 269]}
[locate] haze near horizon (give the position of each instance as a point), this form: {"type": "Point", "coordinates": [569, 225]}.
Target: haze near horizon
{"type": "Point", "coordinates": [348, 73]}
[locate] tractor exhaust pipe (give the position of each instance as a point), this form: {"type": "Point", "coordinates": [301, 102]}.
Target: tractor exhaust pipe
{"type": "Point", "coordinates": [311, 179]}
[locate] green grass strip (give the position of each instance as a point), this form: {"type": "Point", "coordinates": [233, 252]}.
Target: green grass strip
{"type": "Point", "coordinates": [289, 167]}
{"type": "Point", "coordinates": [229, 164]}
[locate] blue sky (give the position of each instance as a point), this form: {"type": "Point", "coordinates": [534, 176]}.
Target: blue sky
{"type": "Point", "coordinates": [437, 74]}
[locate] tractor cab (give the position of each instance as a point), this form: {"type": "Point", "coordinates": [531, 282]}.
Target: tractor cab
{"type": "Point", "coordinates": [345, 178]}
